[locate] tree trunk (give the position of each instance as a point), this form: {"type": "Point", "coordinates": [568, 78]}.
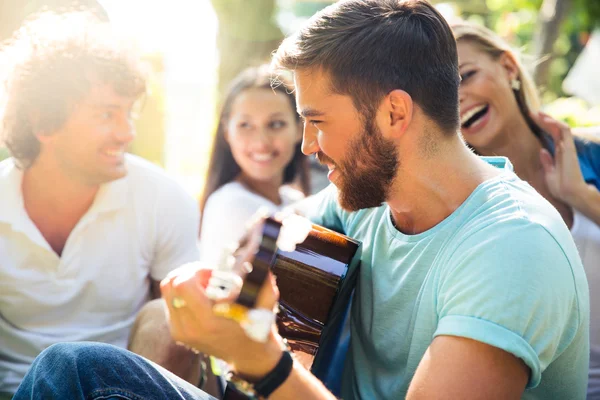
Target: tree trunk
{"type": "Point", "coordinates": [552, 14]}
{"type": "Point", "coordinates": [247, 36]}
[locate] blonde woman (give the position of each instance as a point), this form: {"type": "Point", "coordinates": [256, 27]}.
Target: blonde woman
{"type": "Point", "coordinates": [499, 116]}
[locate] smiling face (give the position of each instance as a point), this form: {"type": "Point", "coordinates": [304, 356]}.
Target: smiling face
{"type": "Point", "coordinates": [487, 101]}
{"type": "Point", "coordinates": [262, 132]}
{"type": "Point", "coordinates": [90, 146]}
{"type": "Point", "coordinates": [362, 163]}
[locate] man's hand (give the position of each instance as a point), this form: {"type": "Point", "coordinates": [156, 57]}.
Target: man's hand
{"type": "Point", "coordinates": [194, 324]}
{"type": "Point", "coordinates": [460, 368]}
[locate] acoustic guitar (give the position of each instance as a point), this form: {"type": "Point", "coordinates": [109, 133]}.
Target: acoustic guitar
{"type": "Point", "coordinates": [316, 282]}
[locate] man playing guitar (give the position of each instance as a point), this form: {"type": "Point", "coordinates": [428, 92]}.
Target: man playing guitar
{"type": "Point", "coordinates": [470, 285]}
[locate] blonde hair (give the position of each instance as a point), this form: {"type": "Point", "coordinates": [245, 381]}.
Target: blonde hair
{"type": "Point", "coordinates": [493, 45]}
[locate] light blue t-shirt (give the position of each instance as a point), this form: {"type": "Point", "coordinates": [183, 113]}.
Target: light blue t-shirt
{"type": "Point", "coordinates": [502, 269]}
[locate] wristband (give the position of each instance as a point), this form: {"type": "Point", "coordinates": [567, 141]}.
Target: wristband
{"type": "Point", "coordinates": [276, 377]}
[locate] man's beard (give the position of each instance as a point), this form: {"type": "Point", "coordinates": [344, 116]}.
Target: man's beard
{"type": "Point", "coordinates": [368, 170]}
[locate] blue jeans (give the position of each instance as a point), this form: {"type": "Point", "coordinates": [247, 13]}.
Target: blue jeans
{"type": "Point", "coordinates": [99, 371]}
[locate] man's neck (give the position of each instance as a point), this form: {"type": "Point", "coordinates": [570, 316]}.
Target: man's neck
{"type": "Point", "coordinates": [46, 188]}
{"type": "Point", "coordinates": [429, 189]}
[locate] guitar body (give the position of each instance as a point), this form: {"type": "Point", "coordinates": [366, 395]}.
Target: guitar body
{"type": "Point", "coordinates": [316, 282]}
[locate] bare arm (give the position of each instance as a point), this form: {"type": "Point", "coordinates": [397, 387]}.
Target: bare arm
{"type": "Point", "coordinates": [587, 201]}
{"type": "Point", "coordinates": [452, 368]}
{"type": "Point", "coordinates": [460, 368]}
{"type": "Point", "coordinates": [301, 384]}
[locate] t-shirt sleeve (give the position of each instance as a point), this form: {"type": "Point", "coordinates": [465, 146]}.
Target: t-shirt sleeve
{"type": "Point", "coordinates": [177, 222]}
{"type": "Point", "coordinates": [224, 222]}
{"type": "Point", "coordinates": [512, 288]}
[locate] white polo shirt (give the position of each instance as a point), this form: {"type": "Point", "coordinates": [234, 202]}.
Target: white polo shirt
{"type": "Point", "coordinates": [139, 228]}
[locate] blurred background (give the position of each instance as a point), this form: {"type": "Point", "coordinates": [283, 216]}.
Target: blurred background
{"type": "Point", "coordinates": [195, 47]}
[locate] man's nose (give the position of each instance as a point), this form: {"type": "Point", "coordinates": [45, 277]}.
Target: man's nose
{"type": "Point", "coordinates": [125, 131]}
{"type": "Point", "coordinates": [309, 140]}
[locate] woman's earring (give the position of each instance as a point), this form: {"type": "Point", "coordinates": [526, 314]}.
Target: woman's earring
{"type": "Point", "coordinates": [515, 84]}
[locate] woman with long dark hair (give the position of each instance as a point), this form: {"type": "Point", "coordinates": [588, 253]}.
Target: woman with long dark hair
{"type": "Point", "coordinates": [255, 159]}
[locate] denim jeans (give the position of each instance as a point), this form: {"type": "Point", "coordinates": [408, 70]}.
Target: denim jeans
{"type": "Point", "coordinates": [99, 371]}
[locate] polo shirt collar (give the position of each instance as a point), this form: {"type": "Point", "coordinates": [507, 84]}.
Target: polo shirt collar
{"type": "Point", "coordinates": [11, 197]}
{"type": "Point", "coordinates": [111, 196]}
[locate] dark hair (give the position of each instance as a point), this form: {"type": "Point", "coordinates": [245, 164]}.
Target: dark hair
{"type": "Point", "coordinates": [222, 167]}
{"type": "Point", "coordinates": [53, 60]}
{"type": "Point", "coordinates": [371, 47]}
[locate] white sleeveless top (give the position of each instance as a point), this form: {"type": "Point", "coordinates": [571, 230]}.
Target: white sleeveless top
{"type": "Point", "coordinates": [227, 212]}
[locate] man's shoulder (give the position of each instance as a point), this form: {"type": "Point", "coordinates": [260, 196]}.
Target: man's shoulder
{"type": "Point", "coordinates": [142, 169]}
{"type": "Point", "coordinates": [512, 216]}
{"type": "Point", "coordinates": [141, 172]}
{"type": "Point", "coordinates": [146, 180]}
{"type": "Point", "coordinates": [510, 202]}
{"type": "Point", "coordinates": [515, 243]}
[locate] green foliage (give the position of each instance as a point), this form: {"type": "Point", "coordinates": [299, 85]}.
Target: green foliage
{"type": "Point", "coordinates": [504, 5]}
{"type": "Point", "coordinates": [589, 12]}
{"type": "Point", "coordinates": [574, 111]}
{"type": "Point", "coordinates": [309, 8]}
{"type": "Point", "coordinates": [516, 21]}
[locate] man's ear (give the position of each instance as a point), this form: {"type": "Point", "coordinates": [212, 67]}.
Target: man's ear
{"type": "Point", "coordinates": [44, 136]}
{"type": "Point", "coordinates": [399, 112]}
{"type": "Point", "coordinates": [41, 134]}
{"type": "Point", "coordinates": [509, 64]}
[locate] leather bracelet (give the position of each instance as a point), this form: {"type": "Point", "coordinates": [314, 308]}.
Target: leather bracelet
{"type": "Point", "coordinates": [276, 377]}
